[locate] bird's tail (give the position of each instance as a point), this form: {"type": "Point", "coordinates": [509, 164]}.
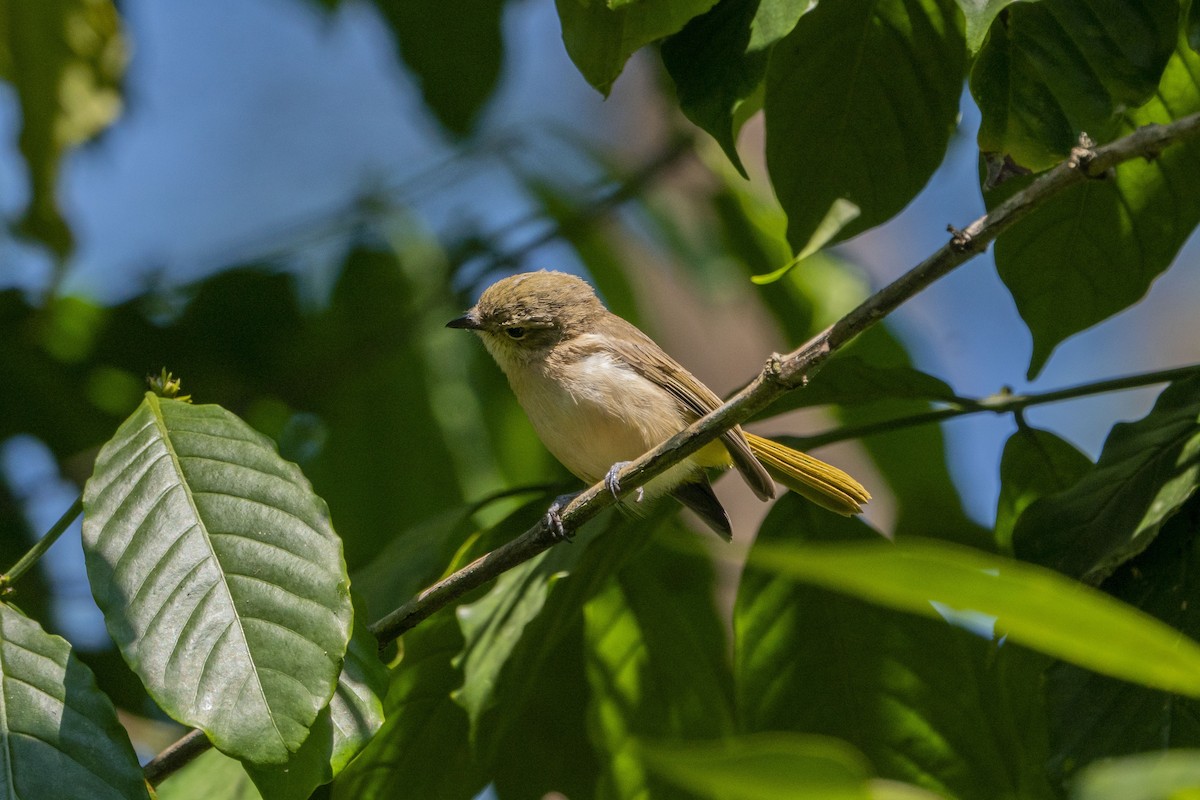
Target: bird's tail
{"type": "Point", "coordinates": [822, 483]}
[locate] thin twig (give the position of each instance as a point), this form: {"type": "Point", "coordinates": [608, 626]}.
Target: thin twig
{"type": "Point", "coordinates": [781, 374]}
{"type": "Point", "coordinates": [40, 547]}
{"type": "Point", "coordinates": [1000, 403]}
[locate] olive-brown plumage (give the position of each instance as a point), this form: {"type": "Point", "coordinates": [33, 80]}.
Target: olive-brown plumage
{"type": "Point", "coordinates": [598, 392]}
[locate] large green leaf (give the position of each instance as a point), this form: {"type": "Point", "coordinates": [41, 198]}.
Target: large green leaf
{"type": "Point", "coordinates": [1057, 67]}
{"type": "Point", "coordinates": [913, 694]}
{"type": "Point", "coordinates": [454, 50]}
{"type": "Point", "coordinates": [601, 35]}
{"type": "Point", "coordinates": [1169, 775]}
{"type": "Point", "coordinates": [1035, 463]}
{"type": "Point", "coordinates": [1032, 606]}
{"type": "Point", "coordinates": [57, 729]}
{"type": "Point", "coordinates": [1094, 249]}
{"type": "Point", "coordinates": [1147, 470]}
{"type": "Point", "coordinates": [422, 750]}
{"type": "Point", "coordinates": [1093, 717]}
{"type": "Point", "coordinates": [656, 661]}
{"type": "Point", "coordinates": [719, 59]}
{"type": "Point", "coordinates": [219, 575]}
{"type": "Point", "coordinates": [861, 99]}
{"type": "Point", "coordinates": [343, 728]}
{"type": "Point", "coordinates": [65, 59]}
{"type": "Point", "coordinates": [765, 767]}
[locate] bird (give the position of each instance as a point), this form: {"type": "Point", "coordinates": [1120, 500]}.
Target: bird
{"type": "Point", "coordinates": [599, 393]}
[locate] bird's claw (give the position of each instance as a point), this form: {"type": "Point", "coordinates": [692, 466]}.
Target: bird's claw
{"type": "Point", "coordinates": [612, 482]}
{"type": "Point", "coordinates": [553, 520]}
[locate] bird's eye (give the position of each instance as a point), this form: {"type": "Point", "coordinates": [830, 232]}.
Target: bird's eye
{"type": "Point", "coordinates": [515, 333]}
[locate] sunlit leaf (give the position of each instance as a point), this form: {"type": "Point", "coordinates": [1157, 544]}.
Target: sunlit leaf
{"type": "Point", "coordinates": [1035, 463]}
{"type": "Point", "coordinates": [219, 575]}
{"type": "Point", "coordinates": [601, 35]}
{"type": "Point", "coordinates": [1095, 248]}
{"type": "Point", "coordinates": [1031, 605]}
{"type": "Point", "coordinates": [655, 660]}
{"type": "Point", "coordinates": [1093, 717]}
{"type": "Point", "coordinates": [1054, 68]}
{"type": "Point", "coordinates": [1164, 775]}
{"type": "Point", "coordinates": [57, 729]}
{"type": "Point", "coordinates": [813, 661]}
{"type": "Point", "coordinates": [1147, 470]}
{"type": "Point", "coordinates": [719, 59]}
{"type": "Point", "coordinates": [861, 99]}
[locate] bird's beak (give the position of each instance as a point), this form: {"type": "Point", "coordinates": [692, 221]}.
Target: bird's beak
{"type": "Point", "coordinates": [470, 321]}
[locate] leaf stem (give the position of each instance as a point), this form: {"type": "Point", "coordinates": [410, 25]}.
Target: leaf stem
{"type": "Point", "coordinates": [40, 547]}
{"type": "Point", "coordinates": [1003, 402]}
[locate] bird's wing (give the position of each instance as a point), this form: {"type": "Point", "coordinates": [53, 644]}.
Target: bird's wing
{"type": "Point", "coordinates": [650, 361]}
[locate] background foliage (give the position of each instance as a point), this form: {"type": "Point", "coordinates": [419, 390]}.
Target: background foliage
{"type": "Point", "coordinates": [1033, 619]}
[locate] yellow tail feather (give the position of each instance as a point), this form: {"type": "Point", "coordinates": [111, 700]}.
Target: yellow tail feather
{"type": "Point", "coordinates": [822, 483]}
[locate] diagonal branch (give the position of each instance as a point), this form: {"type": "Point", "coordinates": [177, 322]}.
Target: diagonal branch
{"type": "Point", "coordinates": [780, 375]}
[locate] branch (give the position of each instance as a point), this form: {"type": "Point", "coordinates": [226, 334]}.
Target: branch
{"type": "Point", "coordinates": [781, 374]}
{"type": "Point", "coordinates": [40, 547]}
{"type": "Point", "coordinates": [1003, 402]}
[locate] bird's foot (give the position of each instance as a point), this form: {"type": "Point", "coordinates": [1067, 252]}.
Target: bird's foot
{"type": "Point", "coordinates": [613, 483]}
{"type": "Point", "coordinates": [553, 520]}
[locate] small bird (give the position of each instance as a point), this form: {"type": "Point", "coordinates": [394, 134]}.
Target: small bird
{"type": "Point", "coordinates": [600, 393]}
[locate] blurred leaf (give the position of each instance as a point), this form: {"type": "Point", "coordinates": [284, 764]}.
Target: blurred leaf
{"type": "Point", "coordinates": [656, 660]}
{"type": "Point", "coordinates": [763, 767]}
{"type": "Point", "coordinates": [1035, 463]}
{"type": "Point", "coordinates": [1148, 776]}
{"type": "Point", "coordinates": [1094, 249]}
{"type": "Point", "coordinates": [56, 728]}
{"type": "Point", "coordinates": [892, 684]}
{"type": "Point", "coordinates": [861, 99]}
{"type": "Point", "coordinates": [455, 50]}
{"type": "Point", "coordinates": [1191, 25]}
{"type": "Point", "coordinates": [219, 575]}
{"type": "Point", "coordinates": [601, 35]}
{"type": "Point", "coordinates": [212, 775]}
{"type": "Point", "coordinates": [719, 59]}
{"type": "Point", "coordinates": [65, 59]}
{"type": "Point", "coordinates": [840, 214]}
{"type": "Point", "coordinates": [1147, 470]}
{"type": "Point", "coordinates": [1086, 627]}
{"type": "Point", "coordinates": [980, 14]}
{"type": "Point", "coordinates": [422, 748]}
{"type": "Point", "coordinates": [1093, 717]}
{"type": "Point", "coordinates": [343, 728]}
{"type": "Point", "coordinates": [1054, 68]}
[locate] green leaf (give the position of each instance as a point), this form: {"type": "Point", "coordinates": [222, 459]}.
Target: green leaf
{"type": "Point", "coordinates": [601, 35]}
{"type": "Point", "coordinates": [65, 59]}
{"type": "Point", "coordinates": [979, 15]}
{"type": "Point", "coordinates": [719, 59]}
{"type": "Point", "coordinates": [422, 746]}
{"type": "Point", "coordinates": [343, 728]}
{"type": "Point", "coordinates": [861, 99]}
{"type": "Point", "coordinates": [1167, 775]}
{"type": "Point", "coordinates": [1035, 463]}
{"type": "Point", "coordinates": [655, 660]}
{"type": "Point", "coordinates": [764, 767]}
{"type": "Point", "coordinates": [455, 51]}
{"type": "Point", "coordinates": [891, 684]}
{"type": "Point", "coordinates": [1191, 25]}
{"type": "Point", "coordinates": [219, 575]}
{"type": "Point", "coordinates": [1093, 717]}
{"type": "Point", "coordinates": [56, 728]}
{"type": "Point", "coordinates": [1094, 249]}
{"type": "Point", "coordinates": [840, 214]}
{"type": "Point", "coordinates": [212, 775]}
{"type": "Point", "coordinates": [1033, 606]}
{"type": "Point", "coordinates": [1147, 470]}
{"type": "Point", "coordinates": [1054, 68]}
